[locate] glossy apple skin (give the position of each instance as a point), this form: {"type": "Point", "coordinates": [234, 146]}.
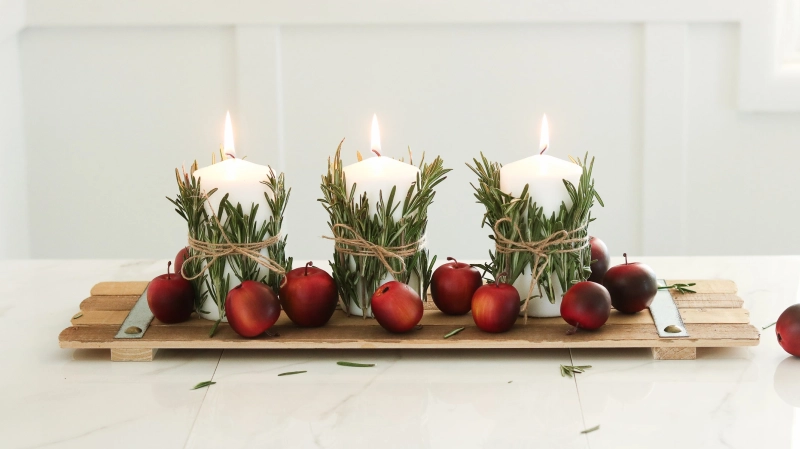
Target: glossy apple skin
{"type": "Point", "coordinates": [787, 330]}
{"type": "Point", "coordinates": [601, 260]}
{"type": "Point", "coordinates": [495, 307]}
{"type": "Point", "coordinates": [452, 287]}
{"type": "Point", "coordinates": [171, 298]}
{"type": "Point", "coordinates": [632, 286]}
{"type": "Point", "coordinates": [308, 296]}
{"type": "Point", "coordinates": [179, 258]}
{"type": "Point", "coordinates": [396, 307]}
{"type": "Point", "coordinates": [251, 308]}
{"type": "Point", "coordinates": [586, 305]}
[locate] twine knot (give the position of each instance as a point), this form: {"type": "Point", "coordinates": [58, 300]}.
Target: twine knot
{"type": "Point", "coordinates": [348, 241]}
{"type": "Point", "coordinates": [214, 251]}
{"type": "Point", "coordinates": [559, 242]}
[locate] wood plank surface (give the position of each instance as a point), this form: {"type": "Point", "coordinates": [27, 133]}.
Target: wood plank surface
{"type": "Point", "coordinates": [522, 336]}
{"type": "Point", "coordinates": [690, 316]}
{"type": "Point", "coordinates": [714, 317]}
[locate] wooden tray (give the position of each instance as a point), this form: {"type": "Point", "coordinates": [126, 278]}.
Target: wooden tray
{"type": "Point", "coordinates": [714, 317]}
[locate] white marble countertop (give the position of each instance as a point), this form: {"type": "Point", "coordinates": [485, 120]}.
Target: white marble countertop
{"type": "Point", "coordinates": [52, 397]}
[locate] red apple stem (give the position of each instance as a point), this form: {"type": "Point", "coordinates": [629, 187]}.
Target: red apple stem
{"type": "Point", "coordinates": [169, 264]}
{"type": "Point", "coordinates": [625, 255]}
{"type": "Point", "coordinates": [501, 275]}
{"type": "Point", "coordinates": [310, 264]}
{"type": "Point", "coordinates": [452, 259]}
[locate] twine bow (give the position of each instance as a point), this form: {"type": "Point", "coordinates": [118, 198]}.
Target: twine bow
{"type": "Point", "coordinates": [559, 242]}
{"type": "Point", "coordinates": [251, 250]}
{"type": "Point", "coordinates": [356, 245]}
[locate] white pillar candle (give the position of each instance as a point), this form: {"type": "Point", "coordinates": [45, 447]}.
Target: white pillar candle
{"type": "Point", "coordinates": [376, 176]}
{"type": "Point", "coordinates": [545, 177]}
{"type": "Point", "coordinates": [242, 182]}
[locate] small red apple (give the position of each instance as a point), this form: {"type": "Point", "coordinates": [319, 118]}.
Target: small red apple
{"type": "Point", "coordinates": [495, 307]}
{"type": "Point", "coordinates": [179, 259]}
{"type": "Point", "coordinates": [170, 297]}
{"type": "Point", "coordinates": [308, 296]}
{"type": "Point", "coordinates": [452, 287]}
{"type": "Point", "coordinates": [251, 308]}
{"type": "Point", "coordinates": [787, 329]}
{"type": "Point", "coordinates": [586, 305]}
{"type": "Point", "coordinates": [600, 260]}
{"type": "Point", "coordinates": [397, 307]}
{"type": "Point", "coordinates": [632, 286]}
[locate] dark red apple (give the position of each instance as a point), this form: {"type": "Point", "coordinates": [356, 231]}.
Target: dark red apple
{"type": "Point", "coordinates": [308, 296]}
{"type": "Point", "coordinates": [600, 260]}
{"type": "Point", "coordinates": [251, 308]}
{"type": "Point", "coordinates": [586, 305]}
{"type": "Point", "coordinates": [787, 329]}
{"type": "Point", "coordinates": [632, 286]}
{"type": "Point", "coordinates": [170, 297]}
{"type": "Point", "coordinates": [452, 287]}
{"type": "Point", "coordinates": [495, 307]}
{"type": "Point", "coordinates": [396, 307]}
{"type": "Point", "coordinates": [180, 258]}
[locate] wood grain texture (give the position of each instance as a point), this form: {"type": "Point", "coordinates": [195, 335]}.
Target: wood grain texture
{"type": "Point", "coordinates": [726, 323]}
{"type": "Point", "coordinates": [664, 353]}
{"type": "Point", "coordinates": [133, 354]}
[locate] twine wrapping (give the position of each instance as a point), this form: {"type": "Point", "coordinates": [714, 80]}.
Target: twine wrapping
{"type": "Point", "coordinates": [540, 249]}
{"type": "Point", "coordinates": [228, 248]}
{"type": "Point", "coordinates": [356, 245]}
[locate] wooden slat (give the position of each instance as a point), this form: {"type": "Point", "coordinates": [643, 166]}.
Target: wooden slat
{"type": "Point", "coordinates": [133, 354]}
{"type": "Point", "coordinates": [108, 303]}
{"type": "Point", "coordinates": [434, 317]}
{"type": "Point", "coordinates": [119, 288]}
{"type": "Point", "coordinates": [713, 286]}
{"type": "Point", "coordinates": [710, 301]}
{"type": "Point", "coordinates": [290, 337]}
{"type": "Point", "coordinates": [674, 353]}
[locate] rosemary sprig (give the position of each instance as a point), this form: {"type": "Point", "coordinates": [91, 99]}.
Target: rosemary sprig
{"type": "Point", "coordinates": [290, 373]}
{"type": "Point", "coordinates": [570, 370]}
{"type": "Point", "coordinates": [591, 429]}
{"type": "Point", "coordinates": [453, 332]}
{"type": "Point", "coordinates": [681, 288]}
{"type": "Point", "coordinates": [769, 326]}
{"type": "Point", "coordinates": [569, 267]}
{"type": "Point", "coordinates": [356, 365]}
{"type": "Point", "coordinates": [207, 383]}
{"type": "Point", "coordinates": [344, 207]}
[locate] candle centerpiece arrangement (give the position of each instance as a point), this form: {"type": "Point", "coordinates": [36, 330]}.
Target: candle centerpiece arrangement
{"type": "Point", "coordinates": [539, 209]}
{"type": "Point", "coordinates": [378, 209]}
{"type": "Point", "coordinates": [234, 212]}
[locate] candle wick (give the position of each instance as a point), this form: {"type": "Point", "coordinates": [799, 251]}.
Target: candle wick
{"type": "Point", "coordinates": [230, 155]}
{"type": "Point", "coordinates": [543, 150]}
{"type": "Point", "coordinates": [376, 151]}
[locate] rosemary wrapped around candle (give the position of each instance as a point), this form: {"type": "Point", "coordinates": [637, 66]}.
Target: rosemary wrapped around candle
{"type": "Point", "coordinates": [371, 248]}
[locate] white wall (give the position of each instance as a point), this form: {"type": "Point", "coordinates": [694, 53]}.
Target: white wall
{"type": "Point", "coordinates": [696, 153]}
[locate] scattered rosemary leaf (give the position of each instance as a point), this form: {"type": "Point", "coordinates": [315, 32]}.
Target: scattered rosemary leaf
{"type": "Point", "coordinates": [597, 427]}
{"type": "Point", "coordinates": [769, 325]}
{"type": "Point", "coordinates": [77, 315]}
{"type": "Point", "coordinates": [214, 328]}
{"type": "Point", "coordinates": [453, 332]}
{"type": "Point", "coordinates": [570, 370]}
{"type": "Point", "coordinates": [291, 372]}
{"type": "Point", "coordinates": [356, 365]}
{"type": "Point", "coordinates": [204, 384]}
{"type": "Point", "coordinates": [510, 381]}
{"type": "Point", "coordinates": [681, 288]}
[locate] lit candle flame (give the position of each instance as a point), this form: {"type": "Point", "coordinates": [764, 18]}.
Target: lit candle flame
{"type": "Point", "coordinates": [227, 146]}
{"type": "Point", "coordinates": [544, 136]}
{"type": "Point", "coordinates": [376, 136]}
